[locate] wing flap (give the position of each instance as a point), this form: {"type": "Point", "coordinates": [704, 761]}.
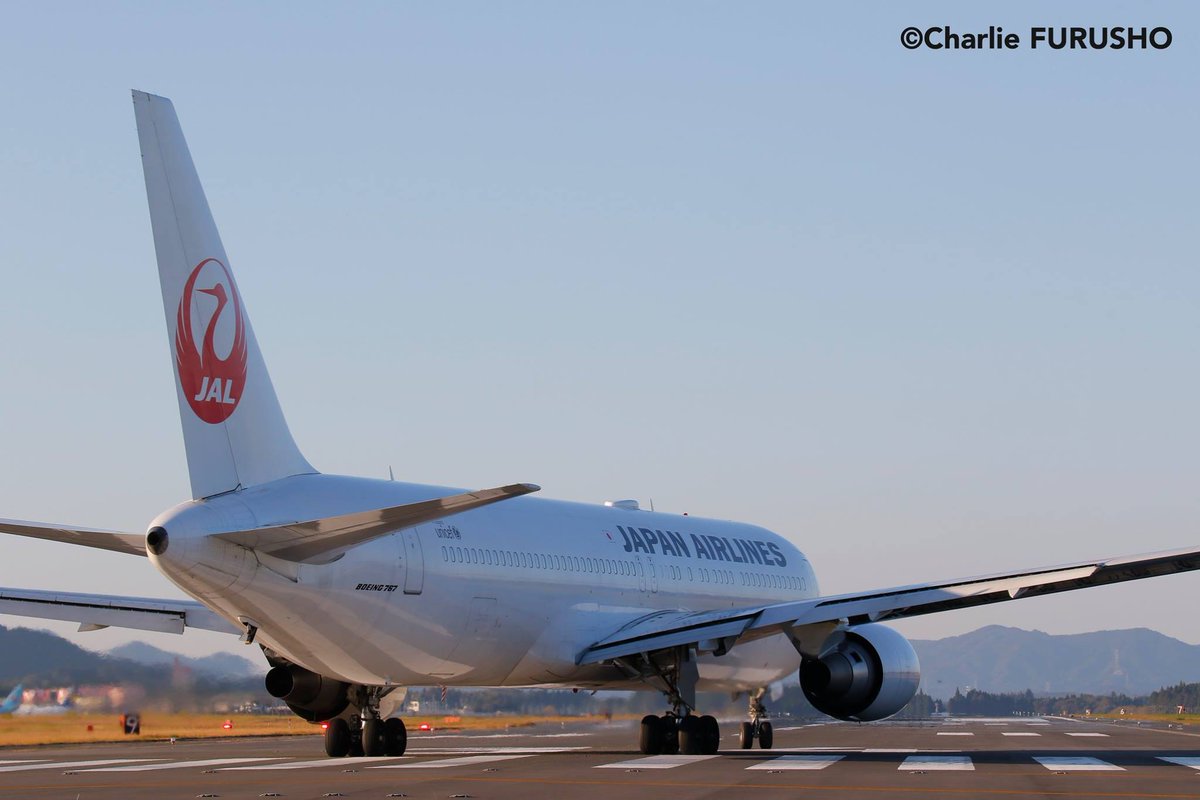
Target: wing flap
{"type": "Point", "coordinates": [320, 541]}
{"type": "Point", "coordinates": [116, 541]}
{"type": "Point", "coordinates": [648, 635]}
{"type": "Point", "coordinates": [98, 610]}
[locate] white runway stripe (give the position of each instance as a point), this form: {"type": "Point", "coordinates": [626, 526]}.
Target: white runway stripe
{"type": "Point", "coordinates": [1019, 733]}
{"type": "Point", "coordinates": [1076, 764]}
{"type": "Point", "coordinates": [955, 733]}
{"type": "Point", "coordinates": [344, 763]}
{"type": "Point", "coordinates": [929, 763]}
{"type": "Point", "coordinates": [655, 762]}
{"type": "Point", "coordinates": [798, 762]}
{"type": "Point", "coordinates": [1183, 761]}
{"type": "Point", "coordinates": [450, 751]}
{"type": "Point", "coordinates": [1087, 734]}
{"type": "Point", "coordinates": [208, 762]}
{"type": "Point", "coordinates": [74, 764]}
{"type": "Point", "coordinates": [465, 761]}
{"type": "Point", "coordinates": [21, 761]}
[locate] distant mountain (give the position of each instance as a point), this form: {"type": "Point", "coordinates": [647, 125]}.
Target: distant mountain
{"type": "Point", "coordinates": [41, 658]}
{"type": "Point", "coordinates": [217, 665]}
{"type": "Point", "coordinates": [1002, 659]}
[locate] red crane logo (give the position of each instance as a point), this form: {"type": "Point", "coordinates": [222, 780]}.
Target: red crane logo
{"type": "Point", "coordinates": [212, 385]}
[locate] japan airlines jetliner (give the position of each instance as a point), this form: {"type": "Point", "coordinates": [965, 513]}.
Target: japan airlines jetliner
{"type": "Point", "coordinates": [355, 587]}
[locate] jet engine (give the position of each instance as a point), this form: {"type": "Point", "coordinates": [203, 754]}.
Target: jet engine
{"type": "Point", "coordinates": [863, 674]}
{"type": "Point", "coordinates": [309, 695]}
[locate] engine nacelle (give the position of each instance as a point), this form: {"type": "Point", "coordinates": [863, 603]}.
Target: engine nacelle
{"type": "Point", "coordinates": [309, 695]}
{"type": "Point", "coordinates": [866, 673]}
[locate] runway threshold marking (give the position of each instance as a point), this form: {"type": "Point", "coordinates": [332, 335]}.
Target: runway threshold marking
{"type": "Point", "coordinates": [798, 762]}
{"type": "Point", "coordinates": [655, 762]}
{"type": "Point", "coordinates": [449, 751]}
{"type": "Point", "coordinates": [316, 762]}
{"type": "Point", "coordinates": [1076, 764]}
{"type": "Point", "coordinates": [1087, 734]}
{"type": "Point", "coordinates": [73, 764]}
{"type": "Point", "coordinates": [1019, 733]}
{"type": "Point", "coordinates": [207, 762]}
{"type": "Point", "coordinates": [955, 733]}
{"type": "Point", "coordinates": [931, 763]}
{"type": "Point", "coordinates": [465, 761]}
{"type": "Point", "coordinates": [1183, 761]}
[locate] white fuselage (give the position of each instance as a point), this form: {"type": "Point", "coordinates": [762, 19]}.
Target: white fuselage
{"type": "Point", "coordinates": [506, 595]}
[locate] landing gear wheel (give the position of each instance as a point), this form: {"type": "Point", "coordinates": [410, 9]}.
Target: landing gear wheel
{"type": "Point", "coordinates": [395, 737]}
{"type": "Point", "coordinates": [372, 738]}
{"type": "Point", "coordinates": [746, 739]}
{"type": "Point", "coordinates": [690, 738]}
{"type": "Point", "coordinates": [710, 735]}
{"type": "Point", "coordinates": [653, 736]}
{"type": "Point", "coordinates": [670, 735]}
{"type": "Point", "coordinates": [337, 739]}
{"type": "Point", "coordinates": [766, 736]}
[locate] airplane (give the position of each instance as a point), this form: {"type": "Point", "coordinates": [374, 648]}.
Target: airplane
{"type": "Point", "coordinates": [355, 587]}
{"type": "Point", "coordinates": [13, 701]}
{"type": "Point", "coordinates": [61, 705]}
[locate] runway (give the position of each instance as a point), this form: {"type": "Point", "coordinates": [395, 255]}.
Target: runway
{"type": "Point", "coordinates": [1001, 758]}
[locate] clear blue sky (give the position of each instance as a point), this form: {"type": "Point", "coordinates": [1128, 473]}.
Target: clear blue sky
{"type": "Point", "coordinates": [928, 314]}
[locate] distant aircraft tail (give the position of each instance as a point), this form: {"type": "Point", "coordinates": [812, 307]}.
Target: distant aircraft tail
{"type": "Point", "coordinates": [13, 701]}
{"type": "Point", "coordinates": [234, 431]}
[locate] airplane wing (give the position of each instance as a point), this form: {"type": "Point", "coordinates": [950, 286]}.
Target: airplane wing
{"type": "Point", "coordinates": [95, 611]}
{"type": "Point", "coordinates": [320, 541]}
{"type": "Point", "coordinates": [131, 543]}
{"type": "Point", "coordinates": [808, 622]}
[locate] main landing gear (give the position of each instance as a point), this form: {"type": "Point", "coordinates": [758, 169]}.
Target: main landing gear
{"type": "Point", "coordinates": [759, 727]}
{"type": "Point", "coordinates": [366, 735]}
{"type": "Point", "coordinates": [679, 730]}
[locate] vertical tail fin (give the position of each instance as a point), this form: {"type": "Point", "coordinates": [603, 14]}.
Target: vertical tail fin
{"type": "Point", "coordinates": [234, 431]}
{"type": "Point", "coordinates": [13, 701]}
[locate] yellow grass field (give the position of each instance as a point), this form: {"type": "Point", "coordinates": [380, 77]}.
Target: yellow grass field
{"type": "Point", "coordinates": [73, 728]}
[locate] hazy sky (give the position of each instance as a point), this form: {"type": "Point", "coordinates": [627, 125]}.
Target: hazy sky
{"type": "Point", "coordinates": [928, 314]}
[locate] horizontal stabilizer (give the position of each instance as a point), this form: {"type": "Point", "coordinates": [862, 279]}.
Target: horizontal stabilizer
{"type": "Point", "coordinates": [320, 541]}
{"type": "Point", "coordinates": [131, 543]}
{"type": "Point", "coordinates": [94, 611]}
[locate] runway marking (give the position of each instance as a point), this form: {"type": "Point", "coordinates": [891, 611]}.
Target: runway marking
{"type": "Point", "coordinates": [208, 762]}
{"type": "Point", "coordinates": [316, 762]}
{"type": "Point", "coordinates": [465, 761]}
{"type": "Point", "coordinates": [1019, 733]}
{"type": "Point", "coordinates": [1087, 734]}
{"type": "Point", "coordinates": [449, 751]}
{"type": "Point", "coordinates": [955, 733]}
{"type": "Point", "coordinates": [74, 764]}
{"type": "Point", "coordinates": [1183, 761]}
{"type": "Point", "coordinates": [655, 762]}
{"type": "Point", "coordinates": [1076, 764]}
{"type": "Point", "coordinates": [424, 737]}
{"type": "Point", "coordinates": [891, 750]}
{"type": "Point", "coordinates": [931, 763]}
{"type": "Point", "coordinates": [798, 762]}
{"type": "Point", "coordinates": [22, 761]}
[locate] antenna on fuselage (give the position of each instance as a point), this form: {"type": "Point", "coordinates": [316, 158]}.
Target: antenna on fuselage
{"type": "Point", "coordinates": [391, 475]}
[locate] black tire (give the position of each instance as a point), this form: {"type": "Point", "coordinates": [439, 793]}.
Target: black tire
{"type": "Point", "coordinates": [373, 743]}
{"type": "Point", "coordinates": [670, 736]}
{"type": "Point", "coordinates": [710, 735]}
{"type": "Point", "coordinates": [652, 738]}
{"type": "Point", "coordinates": [690, 739]}
{"type": "Point", "coordinates": [766, 735]}
{"type": "Point", "coordinates": [337, 738]}
{"type": "Point", "coordinates": [395, 737]}
{"type": "Point", "coordinates": [746, 739]}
